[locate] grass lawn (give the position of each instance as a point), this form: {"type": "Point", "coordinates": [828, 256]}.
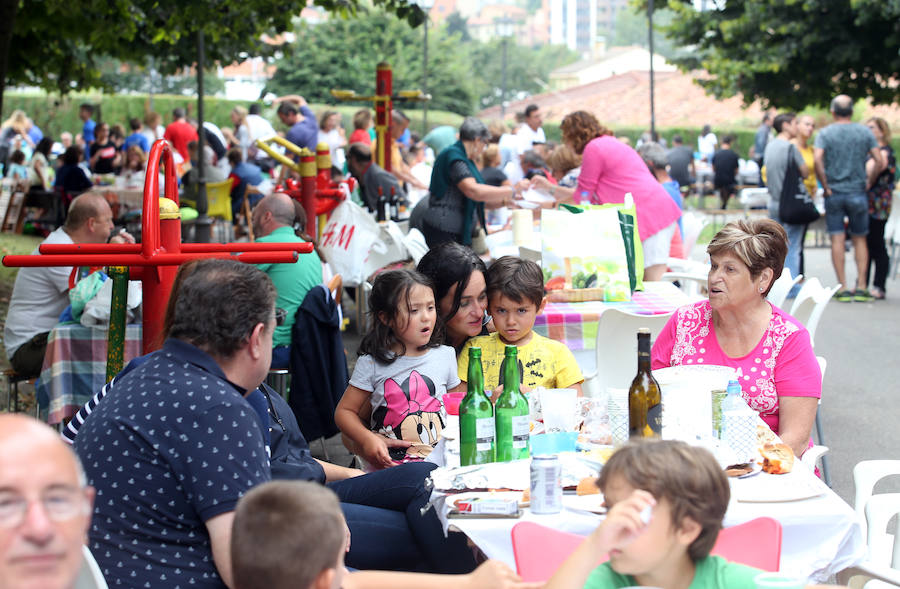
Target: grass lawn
{"type": "Point", "coordinates": [10, 243]}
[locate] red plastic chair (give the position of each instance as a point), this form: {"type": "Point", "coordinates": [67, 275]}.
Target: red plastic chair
{"type": "Point", "coordinates": [756, 543]}
{"type": "Point", "coordinates": [540, 550]}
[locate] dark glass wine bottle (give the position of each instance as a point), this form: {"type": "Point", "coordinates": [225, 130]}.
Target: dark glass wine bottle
{"type": "Point", "coordinates": [644, 397]}
{"type": "Point", "coordinates": [476, 417]}
{"type": "Point", "coordinates": [511, 413]}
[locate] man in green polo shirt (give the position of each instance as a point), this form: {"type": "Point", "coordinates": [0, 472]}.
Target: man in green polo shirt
{"type": "Point", "coordinates": [273, 219]}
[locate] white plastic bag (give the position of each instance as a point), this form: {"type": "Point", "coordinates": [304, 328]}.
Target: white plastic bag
{"type": "Point", "coordinates": [96, 310]}
{"type": "Point", "coordinates": [346, 241]}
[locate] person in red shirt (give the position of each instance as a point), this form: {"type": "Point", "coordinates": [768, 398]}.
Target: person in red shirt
{"type": "Point", "coordinates": [179, 133]}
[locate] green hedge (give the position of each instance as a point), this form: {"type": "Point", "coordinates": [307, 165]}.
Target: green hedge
{"type": "Point", "coordinates": [55, 115]}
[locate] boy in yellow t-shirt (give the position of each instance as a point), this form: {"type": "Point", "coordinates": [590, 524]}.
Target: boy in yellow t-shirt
{"type": "Point", "coordinates": [515, 289]}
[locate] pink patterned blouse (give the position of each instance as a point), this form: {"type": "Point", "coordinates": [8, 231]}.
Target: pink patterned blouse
{"type": "Point", "coordinates": [781, 365]}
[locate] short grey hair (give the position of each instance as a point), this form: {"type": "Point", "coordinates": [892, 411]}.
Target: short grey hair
{"type": "Point", "coordinates": [472, 129]}
{"type": "Point", "coordinates": [653, 154]}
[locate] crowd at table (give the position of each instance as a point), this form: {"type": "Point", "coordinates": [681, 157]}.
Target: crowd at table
{"type": "Point", "coordinates": [181, 448]}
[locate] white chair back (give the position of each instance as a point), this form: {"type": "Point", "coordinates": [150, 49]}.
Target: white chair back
{"type": "Point", "coordinates": [693, 284]}
{"type": "Point", "coordinates": [90, 576]}
{"type": "Point", "coordinates": [810, 304]}
{"type": "Point", "coordinates": [880, 509]}
{"type": "Point", "coordinates": [782, 287]}
{"type": "Point", "coordinates": [866, 474]}
{"type": "Point", "coordinates": [617, 347]}
{"type": "Point", "coordinates": [692, 225]}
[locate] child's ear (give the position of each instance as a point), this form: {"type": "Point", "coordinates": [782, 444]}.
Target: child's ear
{"type": "Point", "coordinates": [383, 318]}
{"type": "Point", "coordinates": [688, 531]}
{"type": "Point", "coordinates": [541, 307]}
{"type": "Point", "coordinates": [324, 579]}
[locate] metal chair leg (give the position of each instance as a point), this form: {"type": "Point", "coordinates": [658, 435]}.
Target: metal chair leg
{"type": "Point", "coordinates": [324, 449]}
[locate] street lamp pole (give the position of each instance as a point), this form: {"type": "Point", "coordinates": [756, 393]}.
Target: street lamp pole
{"type": "Point", "coordinates": [504, 30]}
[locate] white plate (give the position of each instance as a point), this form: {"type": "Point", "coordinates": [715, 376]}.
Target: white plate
{"type": "Point", "coordinates": [776, 488]}
{"type": "Point", "coordinates": [592, 503]}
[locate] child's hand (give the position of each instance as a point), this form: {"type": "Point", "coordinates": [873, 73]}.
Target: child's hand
{"type": "Point", "coordinates": [375, 450]}
{"type": "Point", "coordinates": [493, 574]}
{"type": "Point", "coordinates": [624, 522]}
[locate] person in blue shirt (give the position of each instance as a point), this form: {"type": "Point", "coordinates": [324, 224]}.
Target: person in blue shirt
{"type": "Point", "coordinates": [245, 175]}
{"type": "Point", "coordinates": [136, 137]}
{"type": "Point", "coordinates": [85, 112]}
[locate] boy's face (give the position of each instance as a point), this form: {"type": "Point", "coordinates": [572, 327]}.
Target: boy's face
{"type": "Point", "coordinates": [658, 547]}
{"type": "Point", "coordinates": [513, 319]}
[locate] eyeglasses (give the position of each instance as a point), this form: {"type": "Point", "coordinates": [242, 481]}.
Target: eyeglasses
{"type": "Point", "coordinates": [59, 505]}
{"type": "Point", "coordinates": [280, 316]}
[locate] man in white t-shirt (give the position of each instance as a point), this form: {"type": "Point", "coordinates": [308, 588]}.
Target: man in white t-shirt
{"type": "Point", "coordinates": [529, 133]}
{"type": "Point", "coordinates": [41, 294]}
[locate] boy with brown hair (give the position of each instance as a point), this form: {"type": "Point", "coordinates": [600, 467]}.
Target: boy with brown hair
{"type": "Point", "coordinates": [515, 289]}
{"type": "Point", "coordinates": [292, 535]}
{"type": "Point", "coordinates": [666, 501]}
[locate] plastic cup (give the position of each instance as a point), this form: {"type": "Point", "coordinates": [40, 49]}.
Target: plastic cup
{"type": "Point", "coordinates": [452, 401]}
{"type": "Point", "coordinates": [778, 581]}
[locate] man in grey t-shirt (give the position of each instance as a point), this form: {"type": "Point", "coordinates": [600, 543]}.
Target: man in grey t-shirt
{"type": "Point", "coordinates": [779, 152]}
{"type": "Point", "coordinates": [841, 150]}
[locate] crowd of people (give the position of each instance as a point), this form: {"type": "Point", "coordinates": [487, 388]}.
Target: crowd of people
{"type": "Point", "coordinates": [172, 473]}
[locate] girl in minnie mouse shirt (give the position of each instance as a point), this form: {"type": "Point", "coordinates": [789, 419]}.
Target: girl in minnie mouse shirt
{"type": "Point", "coordinates": [391, 411]}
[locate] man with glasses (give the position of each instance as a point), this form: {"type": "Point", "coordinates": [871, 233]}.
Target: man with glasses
{"type": "Point", "coordinates": [45, 507]}
{"type": "Point", "coordinates": [273, 222]}
{"type": "Point", "coordinates": [177, 444]}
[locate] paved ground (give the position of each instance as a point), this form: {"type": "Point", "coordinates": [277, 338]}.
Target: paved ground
{"type": "Point", "coordinates": [859, 411]}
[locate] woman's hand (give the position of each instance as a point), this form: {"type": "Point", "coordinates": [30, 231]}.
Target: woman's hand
{"type": "Point", "coordinates": [540, 182]}
{"type": "Point", "coordinates": [376, 450]}
{"type": "Point", "coordinates": [796, 416]}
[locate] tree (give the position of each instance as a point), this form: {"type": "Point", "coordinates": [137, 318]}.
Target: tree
{"type": "Point", "coordinates": [342, 54]}
{"type": "Point", "coordinates": [56, 44]}
{"type": "Point", "coordinates": [792, 53]}
{"type": "Point", "coordinates": [457, 25]}
{"type": "Point", "coordinates": [527, 69]}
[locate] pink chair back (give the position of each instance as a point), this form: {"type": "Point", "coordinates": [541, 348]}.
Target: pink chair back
{"type": "Point", "coordinates": [756, 543]}
{"type": "Point", "coordinates": [540, 550]}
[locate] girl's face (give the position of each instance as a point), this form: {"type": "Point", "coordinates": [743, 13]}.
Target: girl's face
{"type": "Point", "coordinates": [875, 130]}
{"type": "Point", "coordinates": [332, 122]}
{"type": "Point", "coordinates": [414, 324]}
{"type": "Point", "coordinates": [806, 125]}
{"type": "Point", "coordinates": [235, 118]}
{"type": "Point", "coordinates": [469, 318]}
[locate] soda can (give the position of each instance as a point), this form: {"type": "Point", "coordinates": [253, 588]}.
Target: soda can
{"type": "Point", "coordinates": [546, 484]}
{"type": "Point", "coordinates": [718, 397]}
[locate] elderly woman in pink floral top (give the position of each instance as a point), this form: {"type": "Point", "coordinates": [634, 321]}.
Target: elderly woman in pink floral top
{"type": "Point", "coordinates": [738, 327]}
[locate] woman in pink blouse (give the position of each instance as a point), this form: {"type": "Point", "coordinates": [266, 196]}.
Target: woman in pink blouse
{"type": "Point", "coordinates": [609, 169]}
{"type": "Point", "coordinates": [738, 327]}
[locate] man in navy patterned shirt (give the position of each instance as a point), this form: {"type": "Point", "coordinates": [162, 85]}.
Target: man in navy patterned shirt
{"type": "Point", "coordinates": [175, 448]}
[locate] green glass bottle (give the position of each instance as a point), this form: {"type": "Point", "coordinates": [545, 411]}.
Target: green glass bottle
{"type": "Point", "coordinates": [512, 415]}
{"type": "Point", "coordinates": [476, 417]}
{"type": "Point", "coordinates": [644, 398]}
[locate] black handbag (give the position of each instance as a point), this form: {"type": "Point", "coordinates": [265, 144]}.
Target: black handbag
{"type": "Point", "coordinates": [796, 206]}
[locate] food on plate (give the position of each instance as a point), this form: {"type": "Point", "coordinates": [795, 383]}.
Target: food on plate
{"type": "Point", "coordinates": [736, 470]}
{"type": "Point", "coordinates": [766, 436]}
{"type": "Point", "coordinates": [587, 486]}
{"type": "Point", "coordinates": [777, 458]}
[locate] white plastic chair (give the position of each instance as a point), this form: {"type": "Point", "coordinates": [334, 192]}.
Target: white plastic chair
{"type": "Point", "coordinates": [617, 348]}
{"type": "Point", "coordinates": [782, 287]}
{"type": "Point", "coordinates": [692, 225]}
{"type": "Point", "coordinates": [90, 576]}
{"type": "Point", "coordinates": [810, 304]}
{"type": "Point", "coordinates": [754, 198]}
{"type": "Point", "coordinates": [866, 474]}
{"type": "Point", "coordinates": [693, 284]}
{"type": "Point", "coordinates": [869, 574]}
{"type": "Point", "coordinates": [813, 455]}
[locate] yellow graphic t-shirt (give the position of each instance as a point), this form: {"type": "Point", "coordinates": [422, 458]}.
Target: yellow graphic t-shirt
{"type": "Point", "coordinates": [543, 362]}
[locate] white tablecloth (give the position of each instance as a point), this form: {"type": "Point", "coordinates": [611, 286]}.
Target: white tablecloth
{"type": "Point", "coordinates": [820, 536]}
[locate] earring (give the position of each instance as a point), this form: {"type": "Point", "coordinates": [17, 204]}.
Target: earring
{"type": "Point", "coordinates": [761, 289]}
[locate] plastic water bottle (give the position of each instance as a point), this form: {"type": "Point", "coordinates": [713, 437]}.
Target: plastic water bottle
{"type": "Point", "coordinates": [733, 399]}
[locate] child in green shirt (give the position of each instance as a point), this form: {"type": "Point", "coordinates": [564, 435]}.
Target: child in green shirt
{"type": "Point", "coordinates": [666, 502]}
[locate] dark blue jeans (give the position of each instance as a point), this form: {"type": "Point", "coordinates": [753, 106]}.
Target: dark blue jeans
{"type": "Point", "coordinates": [387, 529]}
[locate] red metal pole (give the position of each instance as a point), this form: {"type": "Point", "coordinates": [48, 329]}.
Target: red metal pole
{"type": "Point", "coordinates": [186, 248]}
{"type": "Point", "coordinates": [383, 106]}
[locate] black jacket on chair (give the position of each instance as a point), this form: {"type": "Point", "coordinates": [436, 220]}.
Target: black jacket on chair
{"type": "Point", "coordinates": [318, 364]}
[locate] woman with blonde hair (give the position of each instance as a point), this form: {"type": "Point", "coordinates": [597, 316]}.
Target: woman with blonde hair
{"type": "Point", "coordinates": [880, 195]}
